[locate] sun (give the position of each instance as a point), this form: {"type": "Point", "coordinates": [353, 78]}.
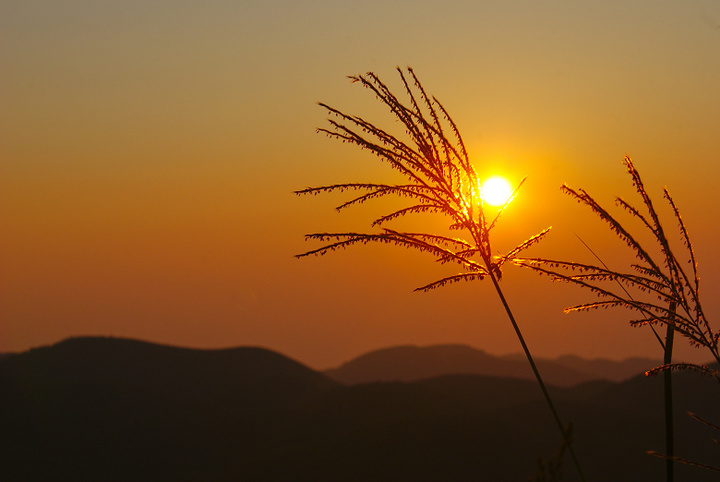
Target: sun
{"type": "Point", "coordinates": [495, 191]}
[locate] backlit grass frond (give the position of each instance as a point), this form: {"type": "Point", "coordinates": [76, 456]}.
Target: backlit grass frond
{"type": "Point", "coordinates": [432, 158]}
{"type": "Point", "coordinates": [702, 369]}
{"type": "Point", "coordinates": [453, 279]}
{"type": "Point", "coordinates": [440, 180]}
{"type": "Point", "coordinates": [663, 289]}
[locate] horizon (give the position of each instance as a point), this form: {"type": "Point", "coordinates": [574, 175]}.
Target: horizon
{"type": "Point", "coordinates": [151, 152]}
{"type": "Point", "coordinates": [517, 354]}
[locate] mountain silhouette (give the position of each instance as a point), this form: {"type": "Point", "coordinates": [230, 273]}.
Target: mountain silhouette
{"type": "Point", "coordinates": [118, 409]}
{"type": "Point", "coordinates": [411, 363]}
{"type": "Point", "coordinates": [115, 409]}
{"type": "Point", "coordinates": [253, 375]}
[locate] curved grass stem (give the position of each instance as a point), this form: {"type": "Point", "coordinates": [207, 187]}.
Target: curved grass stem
{"type": "Point", "coordinates": [669, 424]}
{"type": "Point", "coordinates": [539, 379]}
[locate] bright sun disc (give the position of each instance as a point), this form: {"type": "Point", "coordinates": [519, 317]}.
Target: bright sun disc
{"type": "Point", "coordinates": [495, 191]}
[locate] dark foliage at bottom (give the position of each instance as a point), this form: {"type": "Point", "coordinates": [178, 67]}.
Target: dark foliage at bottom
{"type": "Point", "coordinates": [109, 409]}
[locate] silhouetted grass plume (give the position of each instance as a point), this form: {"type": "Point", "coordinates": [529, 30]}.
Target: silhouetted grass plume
{"type": "Point", "coordinates": [660, 288]}
{"type": "Point", "coordinates": [439, 179]}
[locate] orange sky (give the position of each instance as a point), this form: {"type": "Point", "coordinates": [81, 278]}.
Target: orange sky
{"type": "Point", "coordinates": [149, 151]}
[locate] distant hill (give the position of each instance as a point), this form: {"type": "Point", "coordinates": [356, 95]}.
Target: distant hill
{"type": "Point", "coordinates": [118, 409]}
{"type": "Point", "coordinates": [411, 363]}
{"type": "Point", "coordinates": [252, 374]}
{"type": "Point", "coordinates": [114, 409]}
{"type": "Point", "coordinates": [604, 369]}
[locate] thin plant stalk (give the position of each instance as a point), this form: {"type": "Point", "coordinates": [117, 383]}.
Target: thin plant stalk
{"type": "Point", "coordinates": [539, 379]}
{"type": "Point", "coordinates": [668, 395]}
{"type": "Point", "coordinates": [667, 347]}
{"type": "Point", "coordinates": [439, 179]}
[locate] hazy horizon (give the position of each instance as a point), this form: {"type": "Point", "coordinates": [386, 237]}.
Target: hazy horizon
{"type": "Point", "coordinates": [351, 357]}
{"type": "Point", "coordinates": [151, 150]}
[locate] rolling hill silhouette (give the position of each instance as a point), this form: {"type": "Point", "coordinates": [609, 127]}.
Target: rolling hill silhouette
{"type": "Point", "coordinates": [411, 363]}
{"type": "Point", "coordinates": [114, 409]}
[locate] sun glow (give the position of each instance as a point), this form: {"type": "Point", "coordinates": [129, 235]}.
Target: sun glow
{"type": "Point", "coordinates": [495, 191]}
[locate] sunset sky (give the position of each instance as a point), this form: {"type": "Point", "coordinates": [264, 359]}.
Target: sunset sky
{"type": "Point", "coordinates": [149, 151]}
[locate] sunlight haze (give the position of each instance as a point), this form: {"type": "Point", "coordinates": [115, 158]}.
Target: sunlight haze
{"type": "Point", "coordinates": [496, 190]}
{"type": "Point", "coordinates": [150, 151]}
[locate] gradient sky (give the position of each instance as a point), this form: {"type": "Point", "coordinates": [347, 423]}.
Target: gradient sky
{"type": "Point", "coordinates": [149, 150]}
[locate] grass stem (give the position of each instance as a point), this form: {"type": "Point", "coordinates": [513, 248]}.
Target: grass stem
{"type": "Point", "coordinates": [669, 425]}
{"type": "Point", "coordinates": [536, 372]}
